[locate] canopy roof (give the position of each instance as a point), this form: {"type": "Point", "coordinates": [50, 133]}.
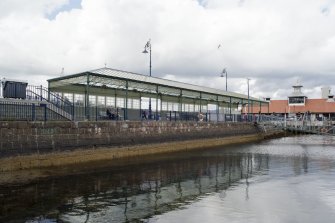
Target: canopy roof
{"type": "Point", "coordinates": [123, 80]}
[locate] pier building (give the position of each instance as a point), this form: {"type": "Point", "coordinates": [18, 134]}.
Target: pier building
{"type": "Point", "coordinates": [298, 104]}
{"type": "Point", "coordinates": [134, 94]}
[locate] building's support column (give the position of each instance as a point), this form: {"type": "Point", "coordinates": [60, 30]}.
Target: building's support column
{"type": "Point", "coordinates": [157, 103]}
{"type": "Point", "coordinates": [87, 96]}
{"type": "Point", "coordinates": [73, 105]}
{"type": "Point", "coordinates": [217, 108]}
{"type": "Point", "coordinates": [230, 107]}
{"type": "Point", "coordinates": [200, 106]}
{"type": "Point", "coordinates": [126, 105]}
{"type": "Point", "coordinates": [180, 107]}
{"type": "Point", "coordinates": [140, 106]}
{"type": "Point", "coordinates": [48, 90]}
{"type": "Point", "coordinates": [115, 101]}
{"type": "Point", "coordinates": [161, 106]}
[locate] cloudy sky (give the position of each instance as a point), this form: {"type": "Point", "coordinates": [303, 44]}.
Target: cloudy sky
{"type": "Point", "coordinates": [274, 43]}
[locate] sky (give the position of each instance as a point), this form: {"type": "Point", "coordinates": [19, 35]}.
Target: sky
{"type": "Point", "coordinates": [273, 43]}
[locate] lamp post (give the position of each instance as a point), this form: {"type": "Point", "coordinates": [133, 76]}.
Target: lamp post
{"type": "Point", "coordinates": [225, 74]}
{"type": "Point", "coordinates": [146, 48]}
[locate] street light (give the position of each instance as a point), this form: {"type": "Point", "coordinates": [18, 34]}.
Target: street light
{"type": "Point", "coordinates": [225, 74]}
{"type": "Point", "coordinates": [147, 47]}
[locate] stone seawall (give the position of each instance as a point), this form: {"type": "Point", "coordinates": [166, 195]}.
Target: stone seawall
{"type": "Point", "coordinates": [36, 144]}
{"type": "Point", "coordinates": [23, 138]}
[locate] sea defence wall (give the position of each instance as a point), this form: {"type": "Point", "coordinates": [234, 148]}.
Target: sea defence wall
{"type": "Point", "coordinates": [36, 144]}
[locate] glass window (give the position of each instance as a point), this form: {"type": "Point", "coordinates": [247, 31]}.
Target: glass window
{"type": "Point", "coordinates": [169, 106]}
{"type": "Point", "coordinates": [164, 106]}
{"type": "Point", "coordinates": [120, 102]}
{"type": "Point", "coordinates": [175, 107]}
{"type": "Point", "coordinates": [110, 101]}
{"type": "Point", "coordinates": [297, 100]}
{"type": "Point", "coordinates": [136, 103]}
{"type": "Point", "coordinates": [196, 108]}
{"type": "Point", "coordinates": [79, 99]}
{"type": "Point", "coordinates": [68, 96]}
{"type": "Point", "coordinates": [191, 107]}
{"type": "Point", "coordinates": [92, 100]}
{"type": "Point", "coordinates": [101, 100]}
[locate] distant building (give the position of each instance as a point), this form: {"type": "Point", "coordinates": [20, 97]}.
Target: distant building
{"type": "Point", "coordinates": [299, 104]}
{"type": "Point", "coordinates": [325, 92]}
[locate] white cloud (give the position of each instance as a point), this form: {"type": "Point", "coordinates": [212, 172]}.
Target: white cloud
{"type": "Point", "coordinates": [27, 8]}
{"type": "Point", "coordinates": [271, 42]}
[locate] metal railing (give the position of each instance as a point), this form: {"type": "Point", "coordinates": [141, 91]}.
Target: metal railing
{"type": "Point", "coordinates": [39, 108]}
{"type": "Point", "coordinates": [311, 126]}
{"type": "Point", "coordinates": [97, 113]}
{"type": "Point", "coordinates": [26, 111]}
{"type": "Point", "coordinates": [58, 104]}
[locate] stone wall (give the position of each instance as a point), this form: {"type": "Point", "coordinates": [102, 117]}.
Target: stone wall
{"type": "Point", "coordinates": [26, 138]}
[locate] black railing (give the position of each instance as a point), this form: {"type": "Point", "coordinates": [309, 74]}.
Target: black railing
{"type": "Point", "coordinates": [40, 109]}
{"type": "Point", "coordinates": [41, 93]}
{"type": "Point", "coordinates": [26, 111]}
{"type": "Point", "coordinates": [97, 113]}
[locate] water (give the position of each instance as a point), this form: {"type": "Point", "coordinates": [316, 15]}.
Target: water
{"type": "Point", "coordinates": [282, 180]}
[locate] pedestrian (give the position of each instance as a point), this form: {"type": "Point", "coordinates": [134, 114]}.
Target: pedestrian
{"type": "Point", "coordinates": [200, 117]}
{"type": "Point", "coordinates": [144, 115]}
{"type": "Point", "coordinates": [108, 113]}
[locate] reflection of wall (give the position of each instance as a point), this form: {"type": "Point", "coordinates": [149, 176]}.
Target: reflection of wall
{"type": "Point", "coordinates": [129, 193]}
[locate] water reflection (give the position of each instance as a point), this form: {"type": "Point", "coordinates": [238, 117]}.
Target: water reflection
{"type": "Point", "coordinates": [129, 193]}
{"type": "Point", "coordinates": [139, 191]}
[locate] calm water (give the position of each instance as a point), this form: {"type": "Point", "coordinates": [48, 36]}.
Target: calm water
{"type": "Point", "coordinates": [283, 180]}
